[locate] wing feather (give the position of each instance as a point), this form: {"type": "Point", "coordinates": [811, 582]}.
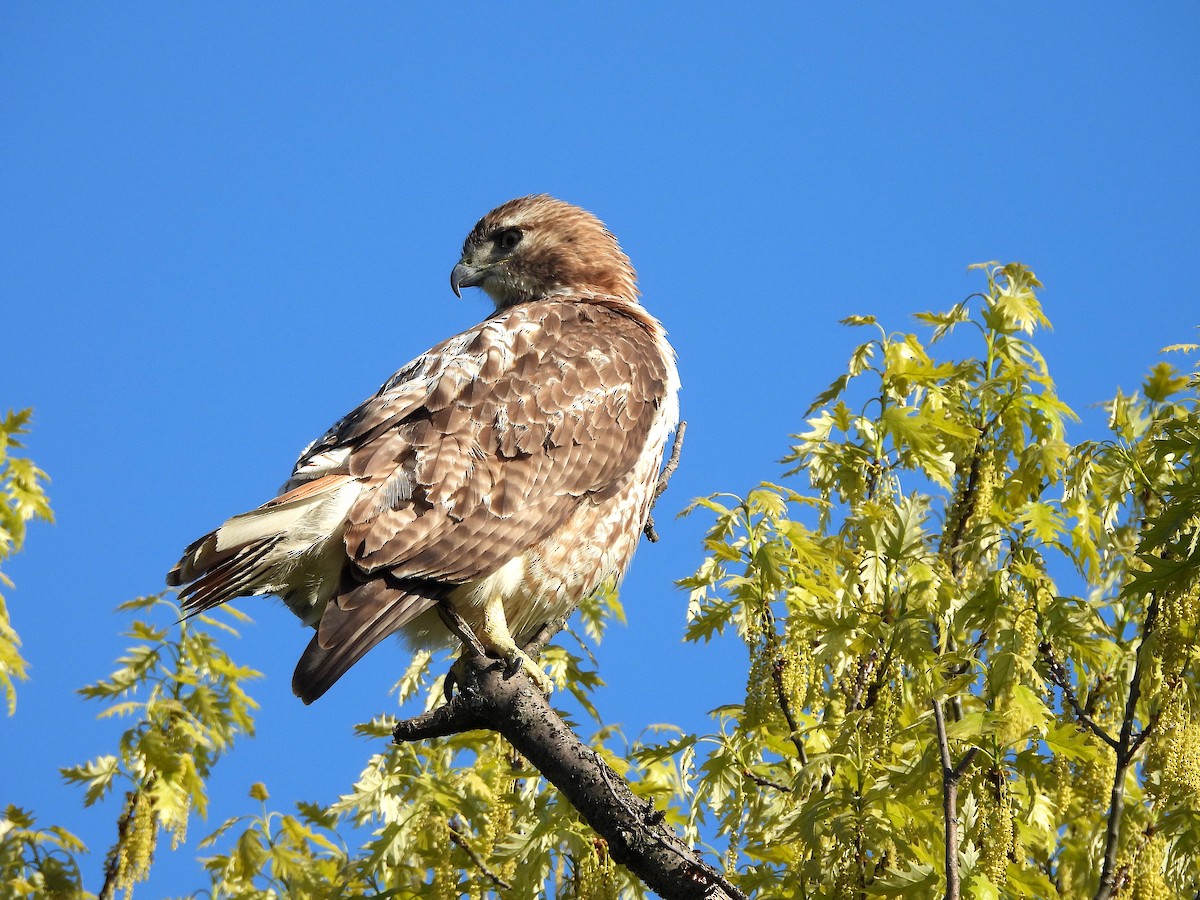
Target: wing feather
{"type": "Point", "coordinates": [525, 417]}
{"type": "Point", "coordinates": [358, 619]}
{"type": "Point", "coordinates": [475, 453]}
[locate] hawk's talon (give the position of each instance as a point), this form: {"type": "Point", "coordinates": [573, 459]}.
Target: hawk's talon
{"type": "Point", "coordinates": [498, 640]}
{"type": "Point", "coordinates": [516, 660]}
{"type": "Point", "coordinates": [451, 681]}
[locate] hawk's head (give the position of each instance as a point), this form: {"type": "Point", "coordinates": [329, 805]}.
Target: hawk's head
{"type": "Point", "coordinates": [536, 247]}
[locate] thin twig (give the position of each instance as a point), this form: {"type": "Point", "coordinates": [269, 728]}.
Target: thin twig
{"type": "Point", "coordinates": [1135, 681]}
{"type": "Point", "coordinates": [672, 461]}
{"type": "Point", "coordinates": [663, 478]}
{"type": "Point", "coordinates": [965, 509]}
{"type": "Point", "coordinates": [951, 545]}
{"type": "Point", "coordinates": [965, 763]}
{"type": "Point", "coordinates": [453, 717]}
{"type": "Point", "coordinates": [461, 840]}
{"type": "Point", "coordinates": [765, 782]}
{"type": "Point", "coordinates": [1140, 737]}
{"type": "Point", "coordinates": [1061, 677]}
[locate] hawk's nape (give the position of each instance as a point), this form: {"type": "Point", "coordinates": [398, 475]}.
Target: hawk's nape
{"type": "Point", "coordinates": [508, 471]}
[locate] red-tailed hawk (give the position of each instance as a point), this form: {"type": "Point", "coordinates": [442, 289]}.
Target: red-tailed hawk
{"type": "Point", "coordinates": [509, 470]}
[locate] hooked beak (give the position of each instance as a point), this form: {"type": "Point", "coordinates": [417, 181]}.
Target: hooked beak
{"type": "Point", "coordinates": [465, 276]}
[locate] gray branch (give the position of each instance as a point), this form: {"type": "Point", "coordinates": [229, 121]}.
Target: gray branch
{"type": "Point", "coordinates": [1060, 676]}
{"type": "Point", "coordinates": [1126, 746]}
{"type": "Point", "coordinates": [951, 776]}
{"type": "Point", "coordinates": [461, 840]}
{"type": "Point", "coordinates": [637, 835]}
{"type": "Point", "coordinates": [664, 478]}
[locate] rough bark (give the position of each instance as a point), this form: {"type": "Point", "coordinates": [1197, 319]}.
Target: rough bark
{"type": "Point", "coordinates": [951, 776]}
{"type": "Point", "coordinates": [638, 838]}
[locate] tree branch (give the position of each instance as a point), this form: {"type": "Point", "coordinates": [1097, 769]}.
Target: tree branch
{"type": "Point", "coordinates": [664, 478]}
{"type": "Point", "coordinates": [637, 836]}
{"type": "Point", "coordinates": [112, 863]}
{"type": "Point", "coordinates": [461, 840]}
{"type": "Point", "coordinates": [951, 776]}
{"type": "Point", "coordinates": [548, 630]}
{"type": "Point", "coordinates": [1061, 677]}
{"type": "Point", "coordinates": [766, 782]}
{"type": "Point", "coordinates": [1127, 747]}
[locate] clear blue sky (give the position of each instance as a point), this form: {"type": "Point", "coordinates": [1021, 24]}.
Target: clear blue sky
{"type": "Point", "coordinates": [221, 226]}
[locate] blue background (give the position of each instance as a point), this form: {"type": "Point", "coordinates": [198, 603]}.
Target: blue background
{"type": "Point", "coordinates": [222, 226]}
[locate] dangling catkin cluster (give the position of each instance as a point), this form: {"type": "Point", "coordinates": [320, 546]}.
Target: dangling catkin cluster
{"type": "Point", "coordinates": [999, 832]}
{"type": "Point", "coordinates": [729, 859]}
{"type": "Point", "coordinates": [847, 883]}
{"type": "Point", "coordinates": [1175, 747]}
{"type": "Point", "coordinates": [966, 508]}
{"type": "Point", "coordinates": [136, 850]}
{"type": "Point", "coordinates": [595, 878]}
{"type": "Point", "coordinates": [497, 766]}
{"type": "Point", "coordinates": [1176, 631]}
{"type": "Point", "coordinates": [1146, 877]}
{"type": "Point", "coordinates": [882, 728]}
{"type": "Point", "coordinates": [797, 673]}
{"type": "Point", "coordinates": [985, 486]}
{"type": "Point", "coordinates": [1182, 769]}
{"type": "Point", "coordinates": [1096, 773]}
{"type": "Point", "coordinates": [762, 704]}
{"type": "Point", "coordinates": [445, 872]}
{"type": "Point", "coordinates": [1063, 792]}
{"type": "Point", "coordinates": [178, 828]}
{"type": "Point", "coordinates": [1026, 628]}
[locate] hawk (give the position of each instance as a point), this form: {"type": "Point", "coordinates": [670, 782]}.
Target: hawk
{"type": "Point", "coordinates": [509, 471]}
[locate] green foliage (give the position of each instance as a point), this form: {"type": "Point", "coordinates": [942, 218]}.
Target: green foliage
{"type": "Point", "coordinates": [187, 698]}
{"type": "Point", "coordinates": [950, 549]}
{"type": "Point", "coordinates": [277, 855]}
{"type": "Point", "coordinates": [22, 497]}
{"type": "Point", "coordinates": [926, 567]}
{"type": "Point", "coordinates": [38, 863]}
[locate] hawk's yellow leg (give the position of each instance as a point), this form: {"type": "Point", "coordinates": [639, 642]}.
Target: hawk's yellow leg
{"type": "Point", "coordinates": [497, 638]}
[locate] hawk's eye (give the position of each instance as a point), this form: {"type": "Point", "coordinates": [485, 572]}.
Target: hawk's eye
{"type": "Point", "coordinates": [508, 239]}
